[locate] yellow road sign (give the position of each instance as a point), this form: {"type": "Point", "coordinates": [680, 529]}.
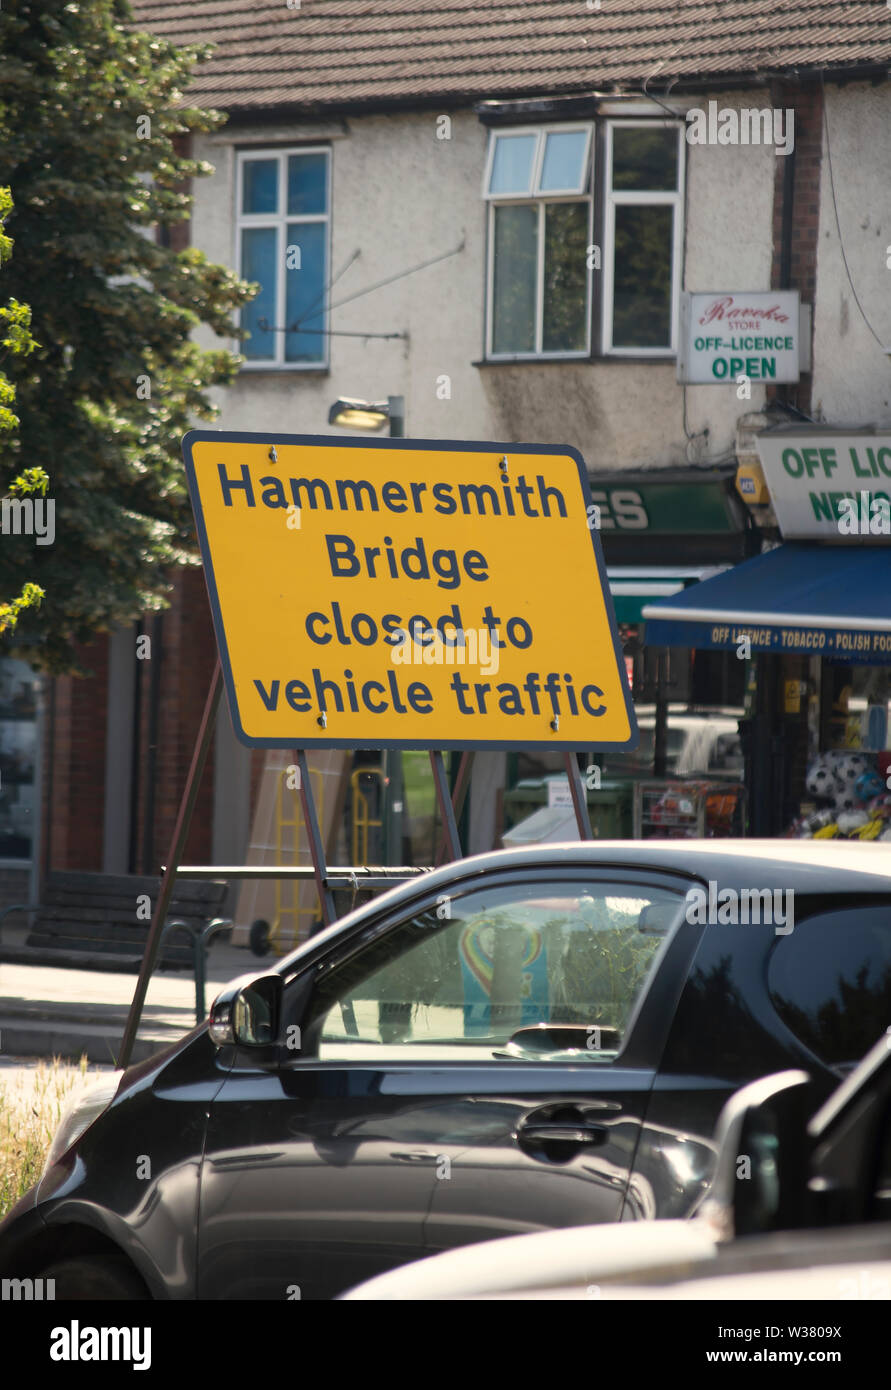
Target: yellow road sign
{"type": "Point", "coordinates": [407, 593]}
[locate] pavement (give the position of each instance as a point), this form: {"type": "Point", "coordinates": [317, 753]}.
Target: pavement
{"type": "Point", "coordinates": [52, 1011]}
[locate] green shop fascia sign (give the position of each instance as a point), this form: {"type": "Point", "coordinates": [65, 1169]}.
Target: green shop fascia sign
{"type": "Point", "coordinates": [694, 507]}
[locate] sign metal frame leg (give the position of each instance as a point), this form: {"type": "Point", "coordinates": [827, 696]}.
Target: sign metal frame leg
{"type": "Point", "coordinates": [316, 843]}
{"type": "Point", "coordinates": [180, 835]}
{"type": "Point", "coordinates": [444, 801]}
{"type": "Point", "coordinates": [459, 796]}
{"type": "Point", "coordinates": [579, 797]}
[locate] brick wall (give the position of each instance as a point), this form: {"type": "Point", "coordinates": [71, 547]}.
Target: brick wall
{"type": "Point", "coordinates": [76, 808]}
{"type": "Point", "coordinates": [75, 741]}
{"type": "Point", "coordinates": [187, 655]}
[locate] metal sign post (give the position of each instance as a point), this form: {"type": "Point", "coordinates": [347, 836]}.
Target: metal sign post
{"type": "Point", "coordinates": [180, 835]}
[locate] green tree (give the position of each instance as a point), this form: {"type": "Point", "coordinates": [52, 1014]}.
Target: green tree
{"type": "Point", "coordinates": [15, 326]}
{"type": "Point", "coordinates": [92, 124]}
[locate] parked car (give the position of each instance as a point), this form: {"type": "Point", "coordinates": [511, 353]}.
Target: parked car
{"type": "Point", "coordinates": [523, 1041]}
{"type": "Point", "coordinates": [799, 1208]}
{"type": "Point", "coordinates": [704, 742]}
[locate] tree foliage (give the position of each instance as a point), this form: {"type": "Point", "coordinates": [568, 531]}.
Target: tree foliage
{"type": "Point", "coordinates": [16, 341]}
{"type": "Point", "coordinates": [92, 132]}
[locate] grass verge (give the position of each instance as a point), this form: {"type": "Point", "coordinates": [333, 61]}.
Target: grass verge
{"type": "Point", "coordinates": [31, 1105]}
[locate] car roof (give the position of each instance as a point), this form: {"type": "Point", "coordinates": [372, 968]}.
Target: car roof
{"type": "Point", "coordinates": [802, 866]}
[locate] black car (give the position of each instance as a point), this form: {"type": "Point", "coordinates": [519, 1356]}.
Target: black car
{"type": "Point", "coordinates": [799, 1208]}
{"type": "Point", "coordinates": [521, 1041]}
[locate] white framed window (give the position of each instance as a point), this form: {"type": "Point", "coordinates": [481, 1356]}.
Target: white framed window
{"type": "Point", "coordinates": [643, 231]}
{"type": "Point", "coordinates": [283, 228]}
{"type": "Point", "coordinates": [538, 187]}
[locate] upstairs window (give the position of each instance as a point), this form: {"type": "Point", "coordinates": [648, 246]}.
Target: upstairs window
{"type": "Point", "coordinates": [283, 243]}
{"type": "Point", "coordinates": [545, 197]}
{"type": "Point", "coordinates": [642, 232]}
{"type": "Point", "coordinates": [538, 185]}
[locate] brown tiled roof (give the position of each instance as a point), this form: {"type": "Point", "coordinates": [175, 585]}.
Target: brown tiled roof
{"type": "Point", "coordinates": [349, 53]}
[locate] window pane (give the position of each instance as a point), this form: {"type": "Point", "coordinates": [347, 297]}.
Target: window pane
{"type": "Point", "coordinates": [18, 754]}
{"type": "Point", "coordinates": [645, 159]}
{"type": "Point", "coordinates": [260, 185]}
{"type": "Point", "coordinates": [642, 277]}
{"type": "Point", "coordinates": [516, 267]}
{"type": "Point", "coordinates": [512, 165]}
{"type": "Point", "coordinates": [258, 263]}
{"type": "Point", "coordinates": [562, 166]}
{"type": "Point", "coordinates": [572, 956]}
{"type": "Point", "coordinates": [830, 982]}
{"type": "Point", "coordinates": [305, 292]}
{"type": "Point", "coordinates": [566, 277]}
{"type": "Point", "coordinates": [307, 183]}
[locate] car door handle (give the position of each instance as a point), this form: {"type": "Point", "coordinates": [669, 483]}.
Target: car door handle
{"type": "Point", "coordinates": [543, 1133]}
{"type": "Point", "coordinates": [413, 1156]}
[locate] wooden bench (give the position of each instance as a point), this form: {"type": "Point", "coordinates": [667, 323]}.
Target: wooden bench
{"type": "Point", "coordinates": [90, 920]}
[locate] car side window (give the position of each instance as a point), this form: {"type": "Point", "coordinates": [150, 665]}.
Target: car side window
{"type": "Point", "coordinates": [526, 971]}
{"type": "Point", "coordinates": [830, 982]}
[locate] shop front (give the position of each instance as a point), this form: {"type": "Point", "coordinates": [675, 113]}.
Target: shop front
{"type": "Point", "coordinates": [809, 622]}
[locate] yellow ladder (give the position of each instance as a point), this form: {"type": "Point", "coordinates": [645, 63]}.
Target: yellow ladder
{"type": "Point", "coordinates": [297, 824]}
{"type": "Point", "coordinates": [362, 818]}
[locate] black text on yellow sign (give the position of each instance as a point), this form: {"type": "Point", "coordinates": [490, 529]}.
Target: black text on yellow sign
{"type": "Point", "coordinates": [407, 593]}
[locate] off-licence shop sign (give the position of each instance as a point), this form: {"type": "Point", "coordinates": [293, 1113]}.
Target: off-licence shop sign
{"type": "Point", "coordinates": [728, 335]}
{"type": "Point", "coordinates": [407, 593]}
{"type": "Point", "coordinates": [819, 480]}
{"type": "Point", "coordinates": [868, 646]}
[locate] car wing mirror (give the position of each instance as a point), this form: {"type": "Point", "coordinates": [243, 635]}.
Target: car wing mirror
{"type": "Point", "coordinates": [760, 1181]}
{"type": "Point", "coordinates": [658, 918]}
{"type": "Point", "coordinates": [247, 1012]}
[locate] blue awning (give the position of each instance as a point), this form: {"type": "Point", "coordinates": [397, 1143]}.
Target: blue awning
{"type": "Point", "coordinates": [821, 600]}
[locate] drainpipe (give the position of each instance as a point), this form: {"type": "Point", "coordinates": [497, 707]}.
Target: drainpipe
{"type": "Point", "coordinates": [135, 749]}
{"type": "Point", "coordinates": [39, 838]}
{"type": "Point", "coordinates": [786, 391]}
{"type": "Point", "coordinates": [148, 825]}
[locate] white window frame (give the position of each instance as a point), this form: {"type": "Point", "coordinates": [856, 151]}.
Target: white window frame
{"type": "Point", "coordinates": [495, 200]}
{"type": "Point", "coordinates": [280, 222]}
{"type": "Point", "coordinates": [673, 199]}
